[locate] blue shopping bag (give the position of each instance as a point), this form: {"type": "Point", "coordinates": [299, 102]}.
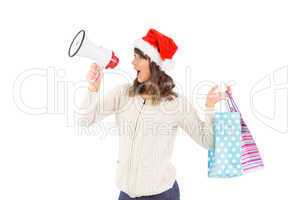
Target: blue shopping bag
{"type": "Point", "coordinates": [224, 158]}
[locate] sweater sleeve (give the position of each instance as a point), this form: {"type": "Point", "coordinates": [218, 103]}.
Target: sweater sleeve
{"type": "Point", "coordinates": [200, 131]}
{"type": "Point", "coordinates": [94, 107]}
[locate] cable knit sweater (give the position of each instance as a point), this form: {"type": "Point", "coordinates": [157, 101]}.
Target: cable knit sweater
{"type": "Point", "coordinates": [146, 136]}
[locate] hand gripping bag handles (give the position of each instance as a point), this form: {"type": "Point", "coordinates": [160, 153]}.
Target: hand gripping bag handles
{"type": "Point", "coordinates": [235, 151]}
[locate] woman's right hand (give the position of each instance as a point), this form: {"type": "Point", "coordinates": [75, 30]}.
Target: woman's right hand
{"type": "Point", "coordinates": [94, 77]}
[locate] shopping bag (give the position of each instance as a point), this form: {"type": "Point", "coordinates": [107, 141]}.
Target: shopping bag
{"type": "Point", "coordinates": [235, 151]}
{"type": "Point", "coordinates": [250, 156]}
{"type": "Point", "coordinates": [224, 158]}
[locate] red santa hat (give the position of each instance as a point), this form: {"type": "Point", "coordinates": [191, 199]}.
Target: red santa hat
{"type": "Point", "coordinates": [159, 47]}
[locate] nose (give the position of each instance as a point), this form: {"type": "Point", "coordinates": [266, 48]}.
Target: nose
{"type": "Point", "coordinates": [133, 62]}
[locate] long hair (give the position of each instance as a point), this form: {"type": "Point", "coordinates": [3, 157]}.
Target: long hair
{"type": "Point", "coordinates": [159, 86]}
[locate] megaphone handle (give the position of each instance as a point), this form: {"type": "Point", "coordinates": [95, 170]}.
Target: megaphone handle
{"type": "Point", "coordinates": [97, 74]}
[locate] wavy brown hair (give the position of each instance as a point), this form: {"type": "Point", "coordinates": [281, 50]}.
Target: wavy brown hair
{"type": "Point", "coordinates": [159, 86]}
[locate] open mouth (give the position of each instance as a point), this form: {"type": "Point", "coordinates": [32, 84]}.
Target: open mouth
{"type": "Point", "coordinates": [137, 72]}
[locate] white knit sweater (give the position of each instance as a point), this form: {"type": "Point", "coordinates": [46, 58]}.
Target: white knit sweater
{"type": "Point", "coordinates": [146, 136]}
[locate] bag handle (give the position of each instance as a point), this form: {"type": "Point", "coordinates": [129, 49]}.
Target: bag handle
{"type": "Point", "coordinates": [231, 103]}
{"type": "Point", "coordinates": [234, 108]}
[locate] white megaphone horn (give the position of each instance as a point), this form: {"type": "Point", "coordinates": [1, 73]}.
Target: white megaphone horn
{"type": "Point", "coordinates": [82, 46]}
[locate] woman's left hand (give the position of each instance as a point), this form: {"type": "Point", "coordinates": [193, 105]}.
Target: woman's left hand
{"type": "Point", "coordinates": [215, 96]}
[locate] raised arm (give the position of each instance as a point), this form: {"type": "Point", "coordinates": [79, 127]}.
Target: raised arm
{"type": "Point", "coordinates": [93, 106]}
{"type": "Point", "coordinates": [199, 130]}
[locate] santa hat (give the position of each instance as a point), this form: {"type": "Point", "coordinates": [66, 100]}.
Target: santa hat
{"type": "Point", "coordinates": [160, 48]}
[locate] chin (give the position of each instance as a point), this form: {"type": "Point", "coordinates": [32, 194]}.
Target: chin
{"type": "Point", "coordinates": [140, 81]}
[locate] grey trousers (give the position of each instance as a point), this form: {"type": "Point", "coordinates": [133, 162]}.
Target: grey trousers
{"type": "Point", "coordinates": [170, 194]}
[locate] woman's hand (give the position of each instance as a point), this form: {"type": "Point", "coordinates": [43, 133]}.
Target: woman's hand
{"type": "Point", "coordinates": [214, 97]}
{"type": "Point", "coordinates": [94, 77]}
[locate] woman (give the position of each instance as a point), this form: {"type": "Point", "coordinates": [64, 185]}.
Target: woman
{"type": "Point", "coordinates": [148, 113]}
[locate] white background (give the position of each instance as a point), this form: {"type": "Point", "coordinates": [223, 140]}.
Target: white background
{"type": "Point", "coordinates": [251, 44]}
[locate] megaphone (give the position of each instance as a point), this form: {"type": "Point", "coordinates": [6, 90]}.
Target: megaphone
{"type": "Point", "coordinates": [82, 46]}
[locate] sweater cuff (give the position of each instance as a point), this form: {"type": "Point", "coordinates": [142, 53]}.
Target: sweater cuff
{"type": "Point", "coordinates": [89, 99]}
{"type": "Point", "coordinates": [209, 109]}
{"type": "Point", "coordinates": [92, 93]}
{"type": "Point", "coordinates": [209, 113]}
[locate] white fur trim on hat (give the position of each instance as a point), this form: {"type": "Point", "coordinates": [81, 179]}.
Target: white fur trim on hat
{"type": "Point", "coordinates": [167, 65]}
{"type": "Point", "coordinates": [149, 50]}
